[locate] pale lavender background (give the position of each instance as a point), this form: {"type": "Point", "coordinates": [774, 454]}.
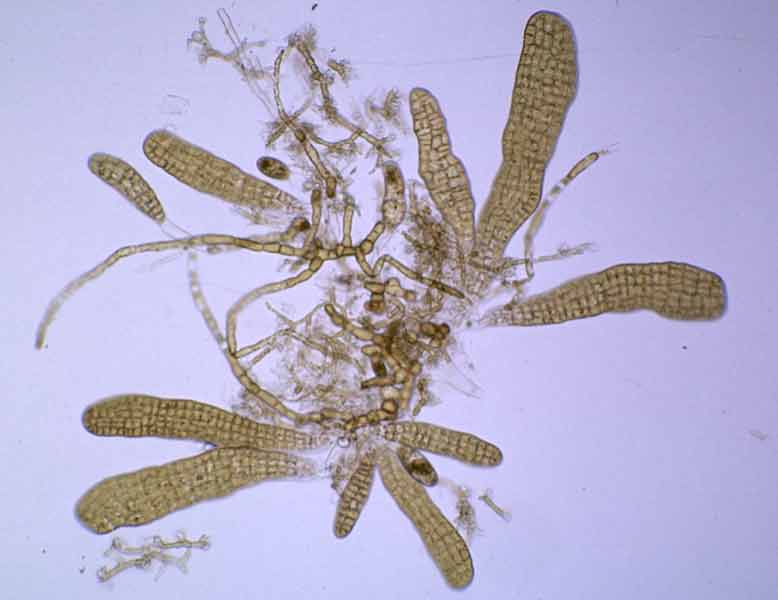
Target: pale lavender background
{"type": "Point", "coordinates": [633, 464]}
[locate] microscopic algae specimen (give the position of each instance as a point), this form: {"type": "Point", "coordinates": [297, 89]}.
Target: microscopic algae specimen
{"type": "Point", "coordinates": [386, 310]}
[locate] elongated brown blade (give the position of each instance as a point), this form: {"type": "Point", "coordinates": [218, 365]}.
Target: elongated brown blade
{"type": "Point", "coordinates": [137, 415]}
{"type": "Point", "coordinates": [207, 173]}
{"type": "Point", "coordinates": [673, 290]}
{"type": "Point", "coordinates": [443, 542]}
{"type": "Point", "coordinates": [544, 87]}
{"type": "Point", "coordinates": [148, 494]}
{"type": "Point", "coordinates": [126, 180]}
{"type": "Point", "coordinates": [354, 497]}
{"type": "Point", "coordinates": [443, 173]}
{"type": "Point", "coordinates": [449, 442]}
